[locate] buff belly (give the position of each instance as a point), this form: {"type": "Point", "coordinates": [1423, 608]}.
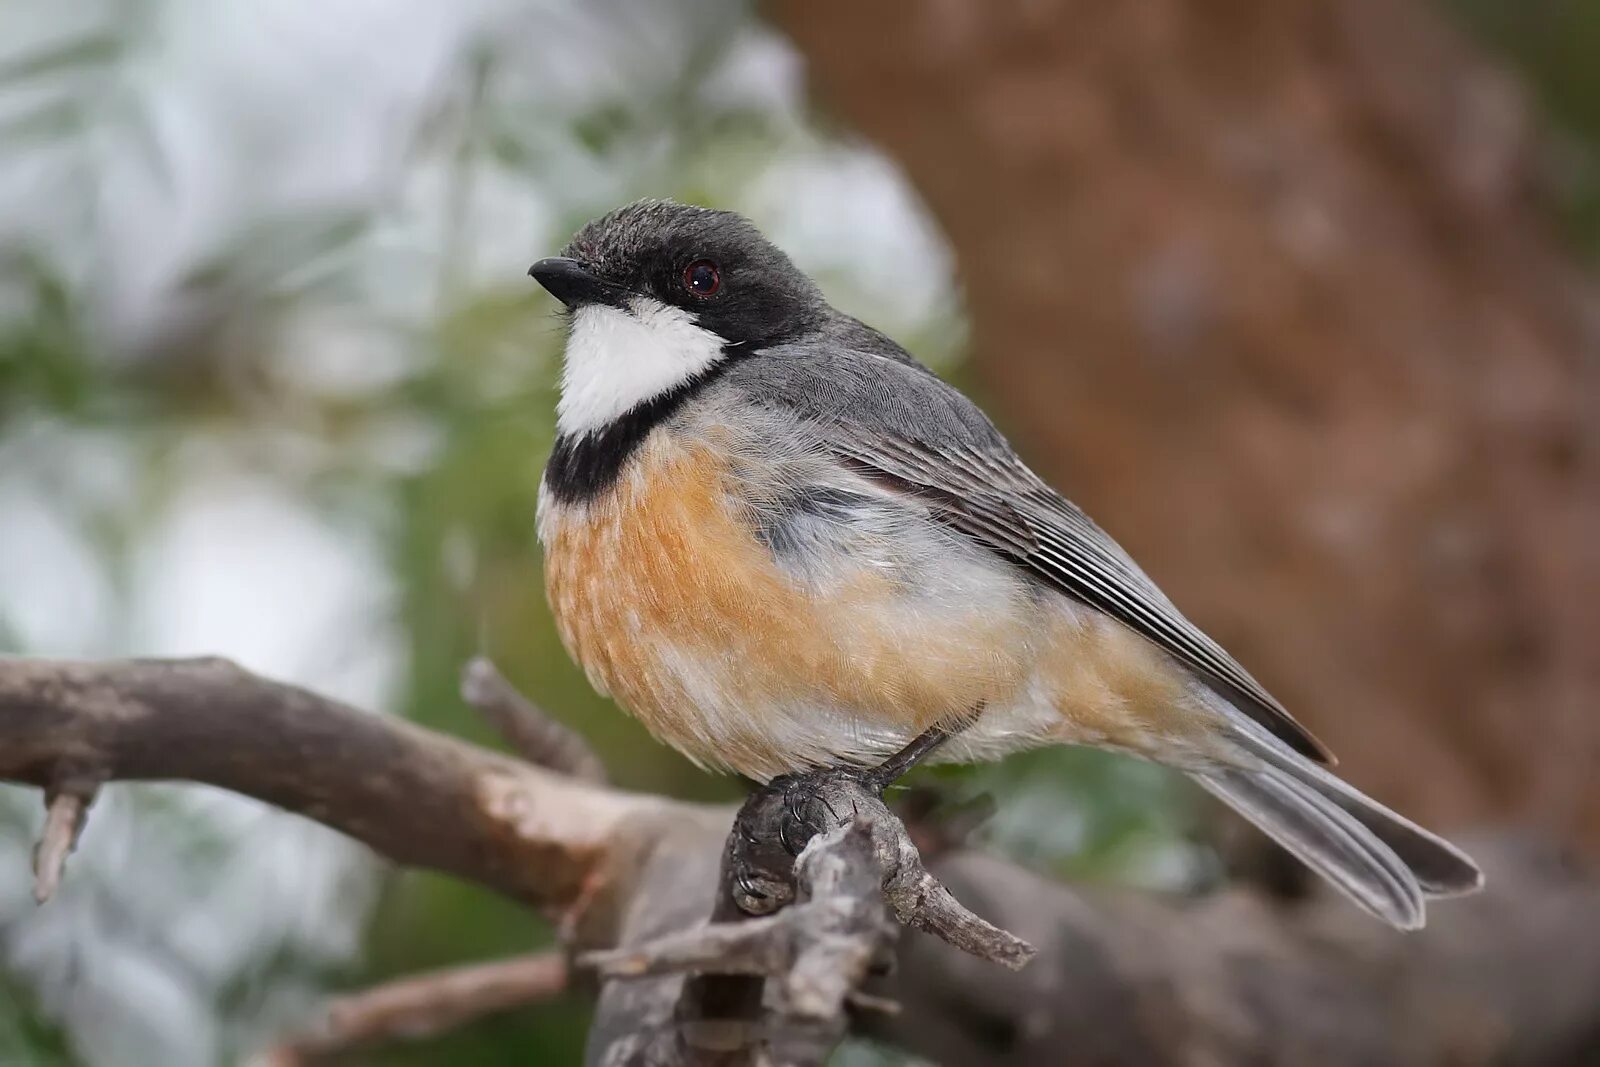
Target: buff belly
{"type": "Point", "coordinates": [672, 605]}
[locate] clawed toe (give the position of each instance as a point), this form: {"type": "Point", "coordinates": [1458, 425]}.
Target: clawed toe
{"type": "Point", "coordinates": [780, 818]}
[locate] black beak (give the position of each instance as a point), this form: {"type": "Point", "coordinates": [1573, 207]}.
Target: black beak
{"type": "Point", "coordinates": [572, 283]}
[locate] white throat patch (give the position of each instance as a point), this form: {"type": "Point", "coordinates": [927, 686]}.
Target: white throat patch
{"type": "Point", "coordinates": [618, 359]}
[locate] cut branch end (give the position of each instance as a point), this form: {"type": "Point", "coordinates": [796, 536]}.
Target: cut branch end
{"type": "Point", "coordinates": [66, 813]}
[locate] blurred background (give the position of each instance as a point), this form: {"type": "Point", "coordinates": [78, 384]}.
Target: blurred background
{"type": "Point", "coordinates": [1294, 297]}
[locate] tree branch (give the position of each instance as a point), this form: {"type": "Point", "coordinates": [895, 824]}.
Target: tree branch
{"type": "Point", "coordinates": [422, 1006]}
{"type": "Point", "coordinates": [537, 737]}
{"type": "Point", "coordinates": [600, 860]}
{"type": "Point", "coordinates": [418, 798]}
{"type": "Point", "coordinates": [1512, 976]}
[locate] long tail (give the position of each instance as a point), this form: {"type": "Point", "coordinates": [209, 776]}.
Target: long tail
{"type": "Point", "coordinates": [1382, 861]}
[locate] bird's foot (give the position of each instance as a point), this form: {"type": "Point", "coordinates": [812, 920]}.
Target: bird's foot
{"type": "Point", "coordinates": [779, 819]}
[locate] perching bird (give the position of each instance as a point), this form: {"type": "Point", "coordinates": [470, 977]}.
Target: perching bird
{"type": "Point", "coordinates": [784, 544]}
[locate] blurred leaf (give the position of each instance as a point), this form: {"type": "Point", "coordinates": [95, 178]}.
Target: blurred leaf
{"type": "Point", "coordinates": [49, 122]}
{"type": "Point", "coordinates": [1079, 813]}
{"type": "Point", "coordinates": [44, 357]}
{"type": "Point", "coordinates": [287, 249]}
{"type": "Point", "coordinates": [91, 50]}
{"type": "Point", "coordinates": [26, 1040]}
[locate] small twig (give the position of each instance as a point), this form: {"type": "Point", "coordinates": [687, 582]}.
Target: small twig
{"type": "Point", "coordinates": [66, 812]}
{"type": "Point", "coordinates": [920, 900]}
{"type": "Point", "coordinates": [536, 736]}
{"type": "Point", "coordinates": [421, 1006]}
{"type": "Point", "coordinates": [763, 946]}
{"type": "Point", "coordinates": [868, 1002]}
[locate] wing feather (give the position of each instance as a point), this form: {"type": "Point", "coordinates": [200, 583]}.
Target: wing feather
{"type": "Point", "coordinates": [992, 497]}
{"type": "Point", "coordinates": [889, 418]}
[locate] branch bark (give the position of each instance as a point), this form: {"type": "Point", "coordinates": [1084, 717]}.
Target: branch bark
{"type": "Point", "coordinates": [416, 797]}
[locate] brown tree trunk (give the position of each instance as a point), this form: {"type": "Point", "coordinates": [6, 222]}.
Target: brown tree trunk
{"type": "Point", "coordinates": [1260, 284]}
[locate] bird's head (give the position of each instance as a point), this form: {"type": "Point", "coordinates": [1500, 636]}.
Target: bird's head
{"type": "Point", "coordinates": [659, 294]}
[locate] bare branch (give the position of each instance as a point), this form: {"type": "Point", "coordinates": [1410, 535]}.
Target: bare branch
{"type": "Point", "coordinates": [1230, 977]}
{"type": "Point", "coordinates": [537, 737]}
{"type": "Point", "coordinates": [577, 850]}
{"type": "Point", "coordinates": [421, 1006]}
{"type": "Point", "coordinates": [417, 797]}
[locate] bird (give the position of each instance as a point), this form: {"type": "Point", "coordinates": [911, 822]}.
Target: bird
{"type": "Point", "coordinates": [784, 545]}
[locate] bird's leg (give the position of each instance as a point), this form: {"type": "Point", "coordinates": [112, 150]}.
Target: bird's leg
{"type": "Point", "coordinates": [896, 766]}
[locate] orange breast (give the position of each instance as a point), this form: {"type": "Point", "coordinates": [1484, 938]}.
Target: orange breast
{"type": "Point", "coordinates": [663, 593]}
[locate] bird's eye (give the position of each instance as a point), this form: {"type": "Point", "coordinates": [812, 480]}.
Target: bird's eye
{"type": "Point", "coordinates": [702, 278]}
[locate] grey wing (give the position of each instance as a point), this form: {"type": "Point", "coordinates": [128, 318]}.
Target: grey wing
{"type": "Point", "coordinates": [893, 421]}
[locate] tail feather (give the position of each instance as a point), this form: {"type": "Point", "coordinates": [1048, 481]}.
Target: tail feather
{"type": "Point", "coordinates": [1324, 838]}
{"type": "Point", "coordinates": [1382, 861]}
{"type": "Point", "coordinates": [1441, 869]}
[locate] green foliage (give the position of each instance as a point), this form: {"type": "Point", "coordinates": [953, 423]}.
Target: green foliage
{"type": "Point", "coordinates": [44, 363]}
{"type": "Point", "coordinates": [26, 1038]}
{"type": "Point", "coordinates": [1077, 813]}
